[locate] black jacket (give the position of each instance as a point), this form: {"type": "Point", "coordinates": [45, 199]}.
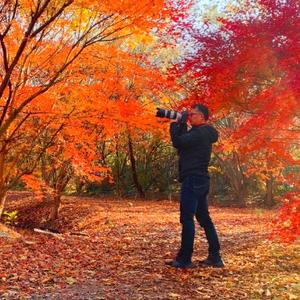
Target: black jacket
{"type": "Point", "coordinates": [194, 147]}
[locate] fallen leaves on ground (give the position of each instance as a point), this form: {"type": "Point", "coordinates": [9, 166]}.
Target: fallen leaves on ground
{"type": "Point", "coordinates": [116, 248]}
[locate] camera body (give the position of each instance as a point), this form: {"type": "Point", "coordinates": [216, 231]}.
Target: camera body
{"type": "Point", "coordinates": [171, 114]}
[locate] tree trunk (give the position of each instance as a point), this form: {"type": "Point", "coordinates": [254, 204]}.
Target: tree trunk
{"type": "Point", "coordinates": [241, 196]}
{"type": "Point", "coordinates": [118, 173]}
{"type": "Point", "coordinates": [133, 169]}
{"type": "Point", "coordinates": [55, 208]}
{"type": "Point", "coordinates": [79, 186]}
{"type": "Point", "coordinates": [3, 190]}
{"type": "Point", "coordinates": [2, 202]}
{"type": "Point", "coordinates": [59, 185]}
{"type": "Point", "coordinates": [234, 172]}
{"type": "Point", "coordinates": [269, 194]}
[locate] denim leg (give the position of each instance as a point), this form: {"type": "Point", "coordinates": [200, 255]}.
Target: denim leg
{"type": "Point", "coordinates": [188, 205]}
{"type": "Point", "coordinates": [204, 219]}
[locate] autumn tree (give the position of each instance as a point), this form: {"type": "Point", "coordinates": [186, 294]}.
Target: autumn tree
{"type": "Point", "coordinates": [245, 65]}
{"type": "Point", "coordinates": [41, 41]}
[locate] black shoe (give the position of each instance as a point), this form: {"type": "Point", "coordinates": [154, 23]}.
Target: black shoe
{"type": "Point", "coordinates": [216, 263]}
{"type": "Point", "coordinates": [176, 264]}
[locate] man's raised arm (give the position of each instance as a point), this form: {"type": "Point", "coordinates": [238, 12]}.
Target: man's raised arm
{"type": "Point", "coordinates": [181, 138]}
{"type": "Point", "coordinates": [177, 129]}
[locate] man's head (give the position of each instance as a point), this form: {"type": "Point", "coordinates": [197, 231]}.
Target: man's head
{"type": "Point", "coordinates": [198, 114]}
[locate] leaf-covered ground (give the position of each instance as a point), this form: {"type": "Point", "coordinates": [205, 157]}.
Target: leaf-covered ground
{"type": "Point", "coordinates": [121, 250]}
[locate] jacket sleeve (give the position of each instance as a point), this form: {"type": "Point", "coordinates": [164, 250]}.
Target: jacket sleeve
{"type": "Point", "coordinates": [188, 139]}
{"type": "Point", "coordinates": [177, 130]}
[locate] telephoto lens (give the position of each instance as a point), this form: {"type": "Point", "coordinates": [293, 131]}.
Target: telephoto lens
{"type": "Point", "coordinates": [165, 113]}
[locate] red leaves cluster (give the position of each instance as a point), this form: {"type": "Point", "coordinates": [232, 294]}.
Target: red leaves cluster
{"type": "Point", "coordinates": [287, 223]}
{"type": "Point", "coordinates": [248, 69]}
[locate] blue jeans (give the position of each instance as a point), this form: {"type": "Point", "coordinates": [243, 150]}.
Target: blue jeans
{"type": "Point", "coordinates": [194, 202]}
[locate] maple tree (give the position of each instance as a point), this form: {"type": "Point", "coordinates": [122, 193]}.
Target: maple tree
{"type": "Point", "coordinates": [125, 86]}
{"type": "Point", "coordinates": [44, 85]}
{"type": "Point", "coordinates": [245, 69]}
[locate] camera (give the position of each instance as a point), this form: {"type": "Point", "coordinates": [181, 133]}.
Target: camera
{"type": "Point", "coordinates": [171, 114]}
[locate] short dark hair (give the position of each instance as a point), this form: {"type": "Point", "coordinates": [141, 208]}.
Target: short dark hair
{"type": "Point", "coordinates": [202, 108]}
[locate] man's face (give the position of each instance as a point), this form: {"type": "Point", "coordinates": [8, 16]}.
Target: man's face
{"type": "Point", "coordinates": [196, 117]}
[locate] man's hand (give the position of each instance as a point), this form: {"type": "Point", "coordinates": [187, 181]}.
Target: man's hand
{"type": "Point", "coordinates": [177, 120]}
{"type": "Point", "coordinates": [184, 117]}
{"type": "Point", "coordinates": [174, 121]}
{"type": "Point", "coordinates": [181, 118]}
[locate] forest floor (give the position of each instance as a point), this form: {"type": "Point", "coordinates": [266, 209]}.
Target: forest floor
{"type": "Point", "coordinates": [116, 249]}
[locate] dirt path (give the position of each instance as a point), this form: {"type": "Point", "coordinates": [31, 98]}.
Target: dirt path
{"type": "Point", "coordinates": [121, 256]}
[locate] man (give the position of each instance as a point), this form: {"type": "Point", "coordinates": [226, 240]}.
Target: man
{"type": "Point", "coordinates": [194, 149]}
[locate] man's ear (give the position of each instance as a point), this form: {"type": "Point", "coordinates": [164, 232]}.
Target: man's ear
{"type": "Point", "coordinates": [203, 117]}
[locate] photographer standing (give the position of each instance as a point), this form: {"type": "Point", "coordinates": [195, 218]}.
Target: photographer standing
{"type": "Point", "coordinates": [194, 149]}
